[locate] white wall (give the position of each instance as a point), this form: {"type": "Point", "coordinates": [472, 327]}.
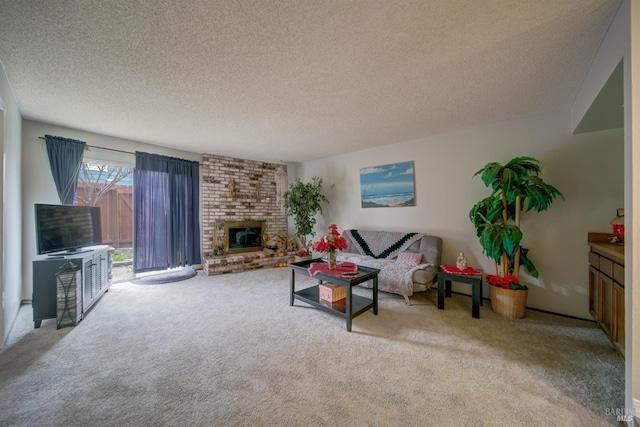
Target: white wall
{"type": "Point", "coordinates": [622, 42]}
{"type": "Point", "coordinates": [38, 185]}
{"type": "Point", "coordinates": [3, 227]}
{"type": "Point", "coordinates": [10, 208]}
{"type": "Point", "coordinates": [587, 169]}
{"type": "Point", "coordinates": [614, 47]}
{"type": "Point", "coordinates": [632, 192]}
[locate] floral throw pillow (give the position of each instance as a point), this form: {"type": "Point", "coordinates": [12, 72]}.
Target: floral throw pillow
{"type": "Point", "coordinates": [409, 258]}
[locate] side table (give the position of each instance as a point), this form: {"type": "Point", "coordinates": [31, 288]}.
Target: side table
{"type": "Point", "coordinates": [444, 288]}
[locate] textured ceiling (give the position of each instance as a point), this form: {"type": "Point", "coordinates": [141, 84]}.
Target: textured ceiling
{"type": "Point", "coordinates": [294, 80]}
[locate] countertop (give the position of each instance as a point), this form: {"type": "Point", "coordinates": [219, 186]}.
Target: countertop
{"type": "Point", "coordinates": [600, 243]}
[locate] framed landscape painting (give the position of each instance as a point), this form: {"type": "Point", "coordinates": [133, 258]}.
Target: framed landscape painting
{"type": "Point", "coordinates": [387, 186]}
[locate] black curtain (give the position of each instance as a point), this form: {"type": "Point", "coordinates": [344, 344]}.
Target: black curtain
{"type": "Point", "coordinates": [166, 212]}
{"type": "Point", "coordinates": [65, 159]}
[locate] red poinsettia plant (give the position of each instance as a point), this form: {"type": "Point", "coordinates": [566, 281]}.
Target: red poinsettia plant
{"type": "Point", "coordinates": [331, 241]}
{"type": "Point", "coordinates": [302, 253]}
{"type": "Point", "coordinates": [509, 281]}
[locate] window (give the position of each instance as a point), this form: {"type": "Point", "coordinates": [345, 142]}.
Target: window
{"type": "Point", "coordinates": [111, 188]}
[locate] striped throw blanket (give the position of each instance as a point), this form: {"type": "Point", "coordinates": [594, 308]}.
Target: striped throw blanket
{"type": "Point", "coordinates": [382, 245]}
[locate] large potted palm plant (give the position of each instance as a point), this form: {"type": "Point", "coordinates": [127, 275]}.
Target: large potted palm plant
{"type": "Point", "coordinates": [516, 187]}
{"type": "Point", "coordinates": [303, 201]}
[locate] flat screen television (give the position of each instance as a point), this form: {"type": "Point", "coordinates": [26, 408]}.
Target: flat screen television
{"type": "Point", "coordinates": [65, 229]}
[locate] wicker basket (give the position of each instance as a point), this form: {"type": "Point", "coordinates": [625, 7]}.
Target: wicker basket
{"type": "Point", "coordinates": [509, 302]}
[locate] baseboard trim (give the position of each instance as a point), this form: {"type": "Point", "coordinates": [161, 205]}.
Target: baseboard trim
{"type": "Point", "coordinates": [560, 314]}
{"type": "Point", "coordinates": [529, 308]}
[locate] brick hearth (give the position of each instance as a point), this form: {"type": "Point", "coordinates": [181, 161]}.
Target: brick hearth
{"type": "Point", "coordinates": [245, 261]}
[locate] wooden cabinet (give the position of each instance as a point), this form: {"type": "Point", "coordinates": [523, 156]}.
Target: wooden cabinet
{"type": "Point", "coordinates": [594, 301]}
{"type": "Point", "coordinates": [95, 277]}
{"type": "Point", "coordinates": [617, 334]}
{"type": "Point", "coordinates": [95, 265]}
{"type": "Point", "coordinates": [606, 287]}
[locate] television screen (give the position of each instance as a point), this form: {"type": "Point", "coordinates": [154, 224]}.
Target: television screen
{"type": "Point", "coordinates": [64, 228]}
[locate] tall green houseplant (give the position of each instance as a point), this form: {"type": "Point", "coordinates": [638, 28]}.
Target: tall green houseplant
{"type": "Point", "coordinates": [517, 186]}
{"type": "Point", "coordinates": [303, 201]}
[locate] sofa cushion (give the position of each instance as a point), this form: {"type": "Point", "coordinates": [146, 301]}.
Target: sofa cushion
{"type": "Point", "coordinates": [425, 277]}
{"type": "Point", "coordinates": [409, 258]}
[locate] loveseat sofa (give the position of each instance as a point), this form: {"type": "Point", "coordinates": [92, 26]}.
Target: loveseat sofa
{"type": "Point", "coordinates": [408, 262]}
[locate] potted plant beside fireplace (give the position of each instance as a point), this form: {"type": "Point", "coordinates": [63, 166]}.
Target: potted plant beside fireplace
{"type": "Point", "coordinates": [516, 185]}
{"type": "Point", "coordinates": [303, 201]}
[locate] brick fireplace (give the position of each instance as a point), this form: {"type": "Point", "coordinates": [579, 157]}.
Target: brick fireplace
{"type": "Point", "coordinates": [240, 193]}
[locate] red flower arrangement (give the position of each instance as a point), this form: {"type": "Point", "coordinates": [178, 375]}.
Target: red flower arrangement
{"type": "Point", "coordinates": [331, 242]}
{"type": "Point", "coordinates": [507, 282]}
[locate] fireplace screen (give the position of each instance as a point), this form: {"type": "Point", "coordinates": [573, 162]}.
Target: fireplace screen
{"type": "Point", "coordinates": [243, 236]}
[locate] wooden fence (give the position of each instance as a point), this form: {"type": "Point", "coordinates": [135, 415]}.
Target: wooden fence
{"type": "Point", "coordinates": [116, 212]}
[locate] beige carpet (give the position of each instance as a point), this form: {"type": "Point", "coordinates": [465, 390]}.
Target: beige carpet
{"type": "Point", "coordinates": [229, 350]}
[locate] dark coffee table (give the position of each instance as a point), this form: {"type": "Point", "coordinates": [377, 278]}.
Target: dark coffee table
{"type": "Point", "coordinates": [348, 308]}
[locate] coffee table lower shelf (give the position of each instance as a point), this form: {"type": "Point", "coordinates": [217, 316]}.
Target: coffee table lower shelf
{"type": "Point", "coordinates": [311, 296]}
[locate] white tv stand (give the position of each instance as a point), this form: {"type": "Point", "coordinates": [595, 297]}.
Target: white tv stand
{"type": "Point", "coordinates": [95, 263]}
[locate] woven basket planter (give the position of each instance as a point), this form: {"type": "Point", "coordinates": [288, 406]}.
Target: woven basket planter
{"type": "Point", "coordinates": [509, 302]}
